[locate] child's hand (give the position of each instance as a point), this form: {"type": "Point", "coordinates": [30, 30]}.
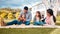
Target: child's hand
{"type": "Point", "coordinates": [19, 19]}
{"type": "Point", "coordinates": [24, 19]}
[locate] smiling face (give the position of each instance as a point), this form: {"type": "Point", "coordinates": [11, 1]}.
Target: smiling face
{"type": "Point", "coordinates": [37, 14]}
{"type": "Point", "coordinates": [25, 11]}
{"type": "Point", "coordinates": [48, 14]}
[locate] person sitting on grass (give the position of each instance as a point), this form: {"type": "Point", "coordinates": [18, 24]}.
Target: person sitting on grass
{"type": "Point", "coordinates": [25, 20]}
{"type": "Point", "coordinates": [50, 19]}
{"type": "Point", "coordinates": [37, 19]}
{"type": "Point", "coordinates": [27, 14]}
{"type": "Point", "coordinates": [22, 19]}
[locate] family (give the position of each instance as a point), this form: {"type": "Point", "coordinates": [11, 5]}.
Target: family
{"type": "Point", "coordinates": [26, 16]}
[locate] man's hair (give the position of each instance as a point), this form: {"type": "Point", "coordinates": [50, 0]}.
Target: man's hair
{"type": "Point", "coordinates": [26, 8]}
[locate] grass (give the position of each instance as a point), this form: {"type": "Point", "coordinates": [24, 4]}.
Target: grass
{"type": "Point", "coordinates": [58, 23]}
{"type": "Point", "coordinates": [58, 18]}
{"type": "Point", "coordinates": [27, 31]}
{"type": "Point", "coordinates": [31, 30]}
{"type": "Point", "coordinates": [56, 31]}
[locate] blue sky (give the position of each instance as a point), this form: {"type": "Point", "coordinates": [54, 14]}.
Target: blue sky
{"type": "Point", "coordinates": [17, 3]}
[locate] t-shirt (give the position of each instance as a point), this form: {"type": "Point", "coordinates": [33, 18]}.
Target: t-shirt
{"type": "Point", "coordinates": [49, 20]}
{"type": "Point", "coordinates": [37, 19]}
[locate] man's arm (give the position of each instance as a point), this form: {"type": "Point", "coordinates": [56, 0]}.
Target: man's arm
{"type": "Point", "coordinates": [29, 17]}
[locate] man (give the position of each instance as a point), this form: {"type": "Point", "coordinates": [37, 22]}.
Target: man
{"type": "Point", "coordinates": [23, 19]}
{"type": "Point", "coordinates": [27, 14]}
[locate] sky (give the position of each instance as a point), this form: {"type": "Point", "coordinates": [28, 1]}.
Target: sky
{"type": "Point", "coordinates": [17, 3]}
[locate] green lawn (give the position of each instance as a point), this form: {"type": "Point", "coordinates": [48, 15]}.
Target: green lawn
{"type": "Point", "coordinates": [58, 23]}
{"type": "Point", "coordinates": [58, 18]}
{"type": "Point", "coordinates": [31, 30]}
{"type": "Point", "coordinates": [28, 31]}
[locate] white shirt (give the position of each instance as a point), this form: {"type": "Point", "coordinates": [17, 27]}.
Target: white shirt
{"type": "Point", "coordinates": [50, 21]}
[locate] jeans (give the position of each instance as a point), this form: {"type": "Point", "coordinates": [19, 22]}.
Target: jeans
{"type": "Point", "coordinates": [38, 23]}
{"type": "Point", "coordinates": [18, 22]}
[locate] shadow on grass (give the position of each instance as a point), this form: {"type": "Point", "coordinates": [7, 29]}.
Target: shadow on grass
{"type": "Point", "coordinates": [26, 30]}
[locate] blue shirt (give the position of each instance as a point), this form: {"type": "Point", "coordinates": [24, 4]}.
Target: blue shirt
{"type": "Point", "coordinates": [28, 16]}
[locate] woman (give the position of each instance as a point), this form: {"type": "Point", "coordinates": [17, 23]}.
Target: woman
{"type": "Point", "coordinates": [50, 19]}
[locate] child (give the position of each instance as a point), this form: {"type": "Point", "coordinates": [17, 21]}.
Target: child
{"type": "Point", "coordinates": [1, 21]}
{"type": "Point", "coordinates": [22, 18]}
{"type": "Point", "coordinates": [50, 19]}
{"type": "Point", "coordinates": [37, 19]}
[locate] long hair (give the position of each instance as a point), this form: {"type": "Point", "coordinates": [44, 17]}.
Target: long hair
{"type": "Point", "coordinates": [50, 11]}
{"type": "Point", "coordinates": [39, 14]}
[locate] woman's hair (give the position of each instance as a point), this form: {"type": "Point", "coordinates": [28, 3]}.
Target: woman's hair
{"type": "Point", "coordinates": [39, 14]}
{"type": "Point", "coordinates": [50, 11]}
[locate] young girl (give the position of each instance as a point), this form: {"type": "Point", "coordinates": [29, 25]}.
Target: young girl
{"type": "Point", "coordinates": [37, 19]}
{"type": "Point", "coordinates": [50, 19]}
